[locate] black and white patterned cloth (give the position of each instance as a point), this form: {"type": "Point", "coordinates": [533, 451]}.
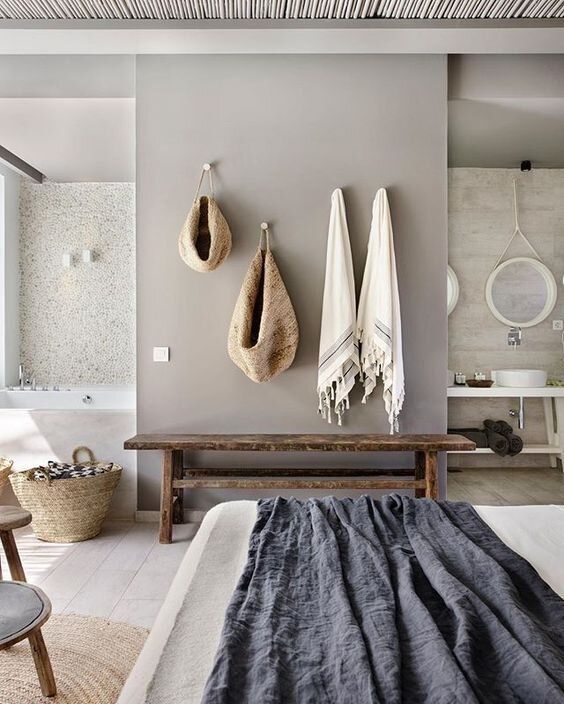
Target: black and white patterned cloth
{"type": "Point", "coordinates": [62, 470]}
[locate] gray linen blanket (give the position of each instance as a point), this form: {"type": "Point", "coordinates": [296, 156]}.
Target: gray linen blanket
{"type": "Point", "coordinates": [399, 600]}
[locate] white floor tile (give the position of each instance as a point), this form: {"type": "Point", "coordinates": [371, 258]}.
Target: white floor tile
{"type": "Point", "coordinates": [59, 605]}
{"type": "Point", "coordinates": [153, 579]}
{"type": "Point", "coordinates": [132, 551]}
{"type": "Point", "coordinates": [123, 573]}
{"type": "Point", "coordinates": [139, 612]}
{"type": "Point", "coordinates": [101, 593]}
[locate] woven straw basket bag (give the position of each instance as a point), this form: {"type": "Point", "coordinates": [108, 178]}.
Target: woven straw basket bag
{"type": "Point", "coordinates": [263, 337]}
{"type": "Point", "coordinates": [67, 510]}
{"type": "Point", "coordinates": [205, 238]}
{"type": "Point", "coordinates": [5, 469]}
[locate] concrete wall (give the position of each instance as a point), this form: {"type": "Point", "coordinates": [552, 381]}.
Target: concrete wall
{"type": "Point", "coordinates": [284, 131]}
{"type": "Point", "coordinates": [480, 223]}
{"type": "Point", "coordinates": [9, 274]}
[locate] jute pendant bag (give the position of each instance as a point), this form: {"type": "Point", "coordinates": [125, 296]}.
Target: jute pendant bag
{"type": "Point", "coordinates": [263, 336]}
{"type": "Point", "coordinates": [205, 238]}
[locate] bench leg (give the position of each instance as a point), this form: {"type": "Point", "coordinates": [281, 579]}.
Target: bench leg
{"type": "Point", "coordinates": [165, 532]}
{"type": "Point", "coordinates": [431, 465]}
{"type": "Point", "coordinates": [42, 664]}
{"type": "Point", "coordinates": [178, 494]}
{"type": "Point", "coordinates": [419, 472]}
{"type": "Point", "coordinates": [12, 556]}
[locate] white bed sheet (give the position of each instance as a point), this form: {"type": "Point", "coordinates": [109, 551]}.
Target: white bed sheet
{"type": "Point", "coordinates": [215, 559]}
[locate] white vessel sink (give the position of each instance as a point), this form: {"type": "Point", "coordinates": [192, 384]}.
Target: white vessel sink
{"type": "Point", "coordinates": [522, 378]}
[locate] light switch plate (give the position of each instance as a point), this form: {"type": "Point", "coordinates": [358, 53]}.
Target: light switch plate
{"type": "Point", "coordinates": [558, 324]}
{"type": "Point", "coordinates": [161, 354]}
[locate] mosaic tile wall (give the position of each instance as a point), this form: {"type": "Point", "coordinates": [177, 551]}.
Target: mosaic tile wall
{"type": "Point", "coordinates": [77, 324]}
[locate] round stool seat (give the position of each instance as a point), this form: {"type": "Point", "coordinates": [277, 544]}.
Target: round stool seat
{"type": "Point", "coordinates": [23, 609]}
{"type": "Point", "coordinates": [12, 517]}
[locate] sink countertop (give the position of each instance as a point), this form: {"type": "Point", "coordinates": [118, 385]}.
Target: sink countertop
{"type": "Point", "coordinates": [505, 391]}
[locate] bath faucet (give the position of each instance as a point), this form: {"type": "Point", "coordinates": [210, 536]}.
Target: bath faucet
{"type": "Point", "coordinates": [514, 337]}
{"type": "Point", "coordinates": [24, 380]}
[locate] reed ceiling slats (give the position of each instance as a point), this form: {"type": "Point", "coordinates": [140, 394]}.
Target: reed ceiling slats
{"type": "Point", "coordinates": [280, 9]}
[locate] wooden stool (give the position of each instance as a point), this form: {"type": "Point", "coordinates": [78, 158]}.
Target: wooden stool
{"type": "Point", "coordinates": [12, 517]}
{"type": "Point", "coordinates": [23, 610]}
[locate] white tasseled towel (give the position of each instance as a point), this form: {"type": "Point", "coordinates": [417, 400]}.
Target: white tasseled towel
{"type": "Point", "coordinates": [338, 348]}
{"type": "Point", "coordinates": [379, 318]}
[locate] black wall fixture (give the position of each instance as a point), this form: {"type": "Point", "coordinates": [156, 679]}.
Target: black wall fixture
{"type": "Point", "coordinates": [526, 165]}
{"type": "Point", "coordinates": [20, 165]}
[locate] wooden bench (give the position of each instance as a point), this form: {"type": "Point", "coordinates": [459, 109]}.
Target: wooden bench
{"type": "Point", "coordinates": [176, 477]}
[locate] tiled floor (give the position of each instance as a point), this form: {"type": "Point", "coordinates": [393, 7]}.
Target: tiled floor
{"type": "Point", "coordinates": [123, 574]}
{"type": "Point", "coordinates": [507, 486]}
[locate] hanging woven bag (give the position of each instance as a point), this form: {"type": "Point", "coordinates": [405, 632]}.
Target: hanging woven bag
{"type": "Point", "coordinates": [263, 336]}
{"type": "Point", "coordinates": [205, 238]}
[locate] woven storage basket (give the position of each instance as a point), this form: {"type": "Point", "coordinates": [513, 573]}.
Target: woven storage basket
{"type": "Point", "coordinates": [66, 510]}
{"type": "Point", "coordinates": [5, 469]}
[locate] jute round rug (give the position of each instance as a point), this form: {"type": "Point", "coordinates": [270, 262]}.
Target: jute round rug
{"type": "Point", "coordinates": [91, 659]}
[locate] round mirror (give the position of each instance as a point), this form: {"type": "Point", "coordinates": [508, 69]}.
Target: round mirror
{"type": "Point", "coordinates": [521, 292]}
{"type": "Point", "coordinates": [453, 289]}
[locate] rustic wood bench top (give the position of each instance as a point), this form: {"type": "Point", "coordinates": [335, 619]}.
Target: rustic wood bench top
{"type": "Point", "coordinates": [176, 476]}
{"type": "Point", "coordinates": [301, 443]}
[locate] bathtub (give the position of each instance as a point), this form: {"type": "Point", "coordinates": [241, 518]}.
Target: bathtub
{"type": "Point", "coordinates": [38, 426]}
{"type": "Point", "coordinates": [94, 397]}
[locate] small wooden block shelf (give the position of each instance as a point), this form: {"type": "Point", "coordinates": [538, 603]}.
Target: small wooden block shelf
{"type": "Point", "coordinates": [176, 477]}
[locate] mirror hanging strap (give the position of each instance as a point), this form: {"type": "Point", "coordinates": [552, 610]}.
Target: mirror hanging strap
{"type": "Point", "coordinates": [516, 231]}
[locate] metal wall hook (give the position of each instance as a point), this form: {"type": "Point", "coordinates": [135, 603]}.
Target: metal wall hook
{"type": "Point", "coordinates": [264, 231]}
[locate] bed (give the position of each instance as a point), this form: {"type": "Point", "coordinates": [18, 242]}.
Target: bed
{"type": "Point", "coordinates": [179, 653]}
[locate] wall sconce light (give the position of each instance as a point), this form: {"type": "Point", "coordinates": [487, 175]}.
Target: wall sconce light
{"type": "Point", "coordinates": [67, 260]}
{"type": "Point", "coordinates": [87, 256]}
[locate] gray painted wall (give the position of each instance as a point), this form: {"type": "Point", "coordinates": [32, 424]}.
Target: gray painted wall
{"type": "Point", "coordinates": [284, 131]}
{"type": "Point", "coordinates": [67, 76]}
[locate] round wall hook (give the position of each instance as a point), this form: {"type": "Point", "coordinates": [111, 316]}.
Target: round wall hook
{"type": "Point", "coordinates": [264, 226]}
{"type": "Point", "coordinates": [206, 167]}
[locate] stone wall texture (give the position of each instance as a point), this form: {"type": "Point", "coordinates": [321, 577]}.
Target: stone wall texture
{"type": "Point", "coordinates": [77, 324]}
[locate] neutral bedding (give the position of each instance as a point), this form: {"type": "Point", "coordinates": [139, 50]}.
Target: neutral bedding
{"type": "Point", "coordinates": [178, 657]}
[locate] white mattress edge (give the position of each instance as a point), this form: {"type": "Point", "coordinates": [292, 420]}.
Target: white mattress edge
{"type": "Point", "coordinates": [135, 688]}
{"type": "Point", "coordinates": [534, 532]}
